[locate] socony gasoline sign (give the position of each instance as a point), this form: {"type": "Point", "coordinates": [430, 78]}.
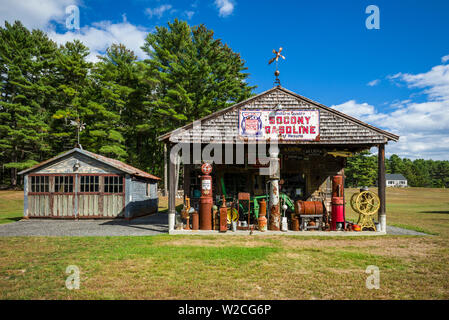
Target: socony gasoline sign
{"type": "Point", "coordinates": [282, 124]}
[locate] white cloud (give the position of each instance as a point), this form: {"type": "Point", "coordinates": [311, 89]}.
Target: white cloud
{"type": "Point", "coordinates": [445, 59]}
{"type": "Point", "coordinates": [226, 7]}
{"type": "Point", "coordinates": [436, 81]}
{"type": "Point", "coordinates": [44, 14]}
{"type": "Point", "coordinates": [158, 11]}
{"type": "Point", "coordinates": [101, 35]}
{"type": "Point", "coordinates": [355, 109]}
{"type": "Point", "coordinates": [423, 126]}
{"type": "Point", "coordinates": [34, 13]}
{"type": "Point", "coordinates": [373, 83]}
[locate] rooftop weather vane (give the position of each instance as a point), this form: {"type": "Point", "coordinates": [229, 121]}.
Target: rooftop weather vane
{"type": "Point", "coordinates": [276, 58]}
{"type": "Point", "coordinates": [79, 127]}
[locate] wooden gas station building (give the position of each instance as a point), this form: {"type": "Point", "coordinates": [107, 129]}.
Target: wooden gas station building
{"type": "Point", "coordinates": [313, 141]}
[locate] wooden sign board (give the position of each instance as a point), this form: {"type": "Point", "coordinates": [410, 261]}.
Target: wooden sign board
{"type": "Point", "coordinates": [300, 125]}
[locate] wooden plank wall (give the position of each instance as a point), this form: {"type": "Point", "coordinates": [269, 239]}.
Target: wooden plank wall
{"type": "Point", "coordinates": [112, 205]}
{"type": "Point", "coordinates": [39, 205]}
{"type": "Point", "coordinates": [63, 205]}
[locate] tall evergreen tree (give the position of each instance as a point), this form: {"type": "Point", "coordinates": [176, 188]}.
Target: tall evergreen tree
{"type": "Point", "coordinates": [26, 66]}
{"type": "Point", "coordinates": [196, 74]}
{"type": "Point", "coordinates": [113, 85]}
{"type": "Point", "coordinates": [72, 100]}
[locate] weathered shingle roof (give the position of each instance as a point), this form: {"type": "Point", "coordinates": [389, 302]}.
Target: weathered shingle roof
{"type": "Point", "coordinates": [335, 127]}
{"type": "Point", "coordinates": [394, 176]}
{"type": "Point", "coordinates": [109, 161]}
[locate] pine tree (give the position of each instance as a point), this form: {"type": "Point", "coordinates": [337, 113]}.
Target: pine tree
{"type": "Point", "coordinates": [72, 100]}
{"type": "Point", "coordinates": [26, 66]}
{"type": "Point", "coordinates": [113, 85]}
{"type": "Point", "coordinates": [196, 74]}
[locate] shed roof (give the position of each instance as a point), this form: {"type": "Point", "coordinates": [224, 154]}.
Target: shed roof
{"type": "Point", "coordinates": [336, 127]}
{"type": "Point", "coordinates": [109, 161]}
{"type": "Point", "coordinates": [395, 176]}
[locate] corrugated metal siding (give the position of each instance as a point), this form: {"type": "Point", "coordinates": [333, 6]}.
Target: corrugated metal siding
{"type": "Point", "coordinates": [333, 129]}
{"type": "Point", "coordinates": [141, 204]}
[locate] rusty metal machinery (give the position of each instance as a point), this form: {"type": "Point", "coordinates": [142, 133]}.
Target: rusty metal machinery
{"type": "Point", "coordinates": [246, 198]}
{"type": "Point", "coordinates": [309, 207]}
{"type": "Point", "coordinates": [310, 213]}
{"type": "Point", "coordinates": [366, 204]}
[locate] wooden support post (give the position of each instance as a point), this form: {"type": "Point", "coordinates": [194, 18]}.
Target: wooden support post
{"type": "Point", "coordinates": [165, 171]}
{"type": "Point", "coordinates": [25, 192]}
{"type": "Point", "coordinates": [171, 194]}
{"type": "Point", "coordinates": [381, 188]}
{"type": "Point", "coordinates": [177, 169]}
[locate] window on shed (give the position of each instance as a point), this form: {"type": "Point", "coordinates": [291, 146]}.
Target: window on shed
{"type": "Point", "coordinates": [39, 184]}
{"type": "Point", "coordinates": [89, 183]}
{"type": "Point", "coordinates": [64, 184]}
{"type": "Point", "coordinates": [113, 184]}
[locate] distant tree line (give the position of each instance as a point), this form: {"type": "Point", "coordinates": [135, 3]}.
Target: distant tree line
{"type": "Point", "coordinates": [361, 170]}
{"type": "Point", "coordinates": [124, 103]}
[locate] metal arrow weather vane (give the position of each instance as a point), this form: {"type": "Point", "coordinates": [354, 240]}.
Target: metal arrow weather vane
{"type": "Point", "coordinates": [276, 58]}
{"type": "Point", "coordinates": [79, 127]}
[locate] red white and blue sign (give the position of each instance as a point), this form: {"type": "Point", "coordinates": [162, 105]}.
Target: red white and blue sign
{"type": "Point", "coordinates": [280, 124]}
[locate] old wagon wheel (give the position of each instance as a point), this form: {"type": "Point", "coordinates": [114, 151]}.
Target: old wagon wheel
{"type": "Point", "coordinates": [366, 203]}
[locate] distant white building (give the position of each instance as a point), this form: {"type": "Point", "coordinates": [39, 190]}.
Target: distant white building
{"type": "Point", "coordinates": [396, 180]}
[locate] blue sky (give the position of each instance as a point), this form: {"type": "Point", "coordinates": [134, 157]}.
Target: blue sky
{"type": "Point", "coordinates": [395, 77]}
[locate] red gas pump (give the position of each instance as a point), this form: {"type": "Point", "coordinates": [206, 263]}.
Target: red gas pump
{"type": "Point", "coordinates": [338, 204]}
{"type": "Point", "coordinates": [206, 198]}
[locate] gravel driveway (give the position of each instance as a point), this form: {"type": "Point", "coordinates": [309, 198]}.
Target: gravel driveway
{"type": "Point", "coordinates": [145, 226]}
{"type": "Point", "coordinates": [404, 232]}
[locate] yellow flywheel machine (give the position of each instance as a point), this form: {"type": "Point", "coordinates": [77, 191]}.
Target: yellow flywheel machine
{"type": "Point", "coordinates": [366, 204]}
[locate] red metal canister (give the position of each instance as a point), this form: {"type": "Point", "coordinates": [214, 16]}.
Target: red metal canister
{"type": "Point", "coordinates": [338, 205]}
{"type": "Point", "coordinates": [223, 217]}
{"type": "Point", "coordinates": [262, 220]}
{"type": "Point", "coordinates": [295, 222]}
{"type": "Point", "coordinates": [195, 220]}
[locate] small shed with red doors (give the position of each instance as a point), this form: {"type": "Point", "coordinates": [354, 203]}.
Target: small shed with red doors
{"type": "Point", "coordinates": [82, 184]}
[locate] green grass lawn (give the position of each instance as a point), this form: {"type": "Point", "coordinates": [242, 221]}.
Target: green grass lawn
{"type": "Point", "coordinates": [11, 206]}
{"type": "Point", "coordinates": [240, 267]}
